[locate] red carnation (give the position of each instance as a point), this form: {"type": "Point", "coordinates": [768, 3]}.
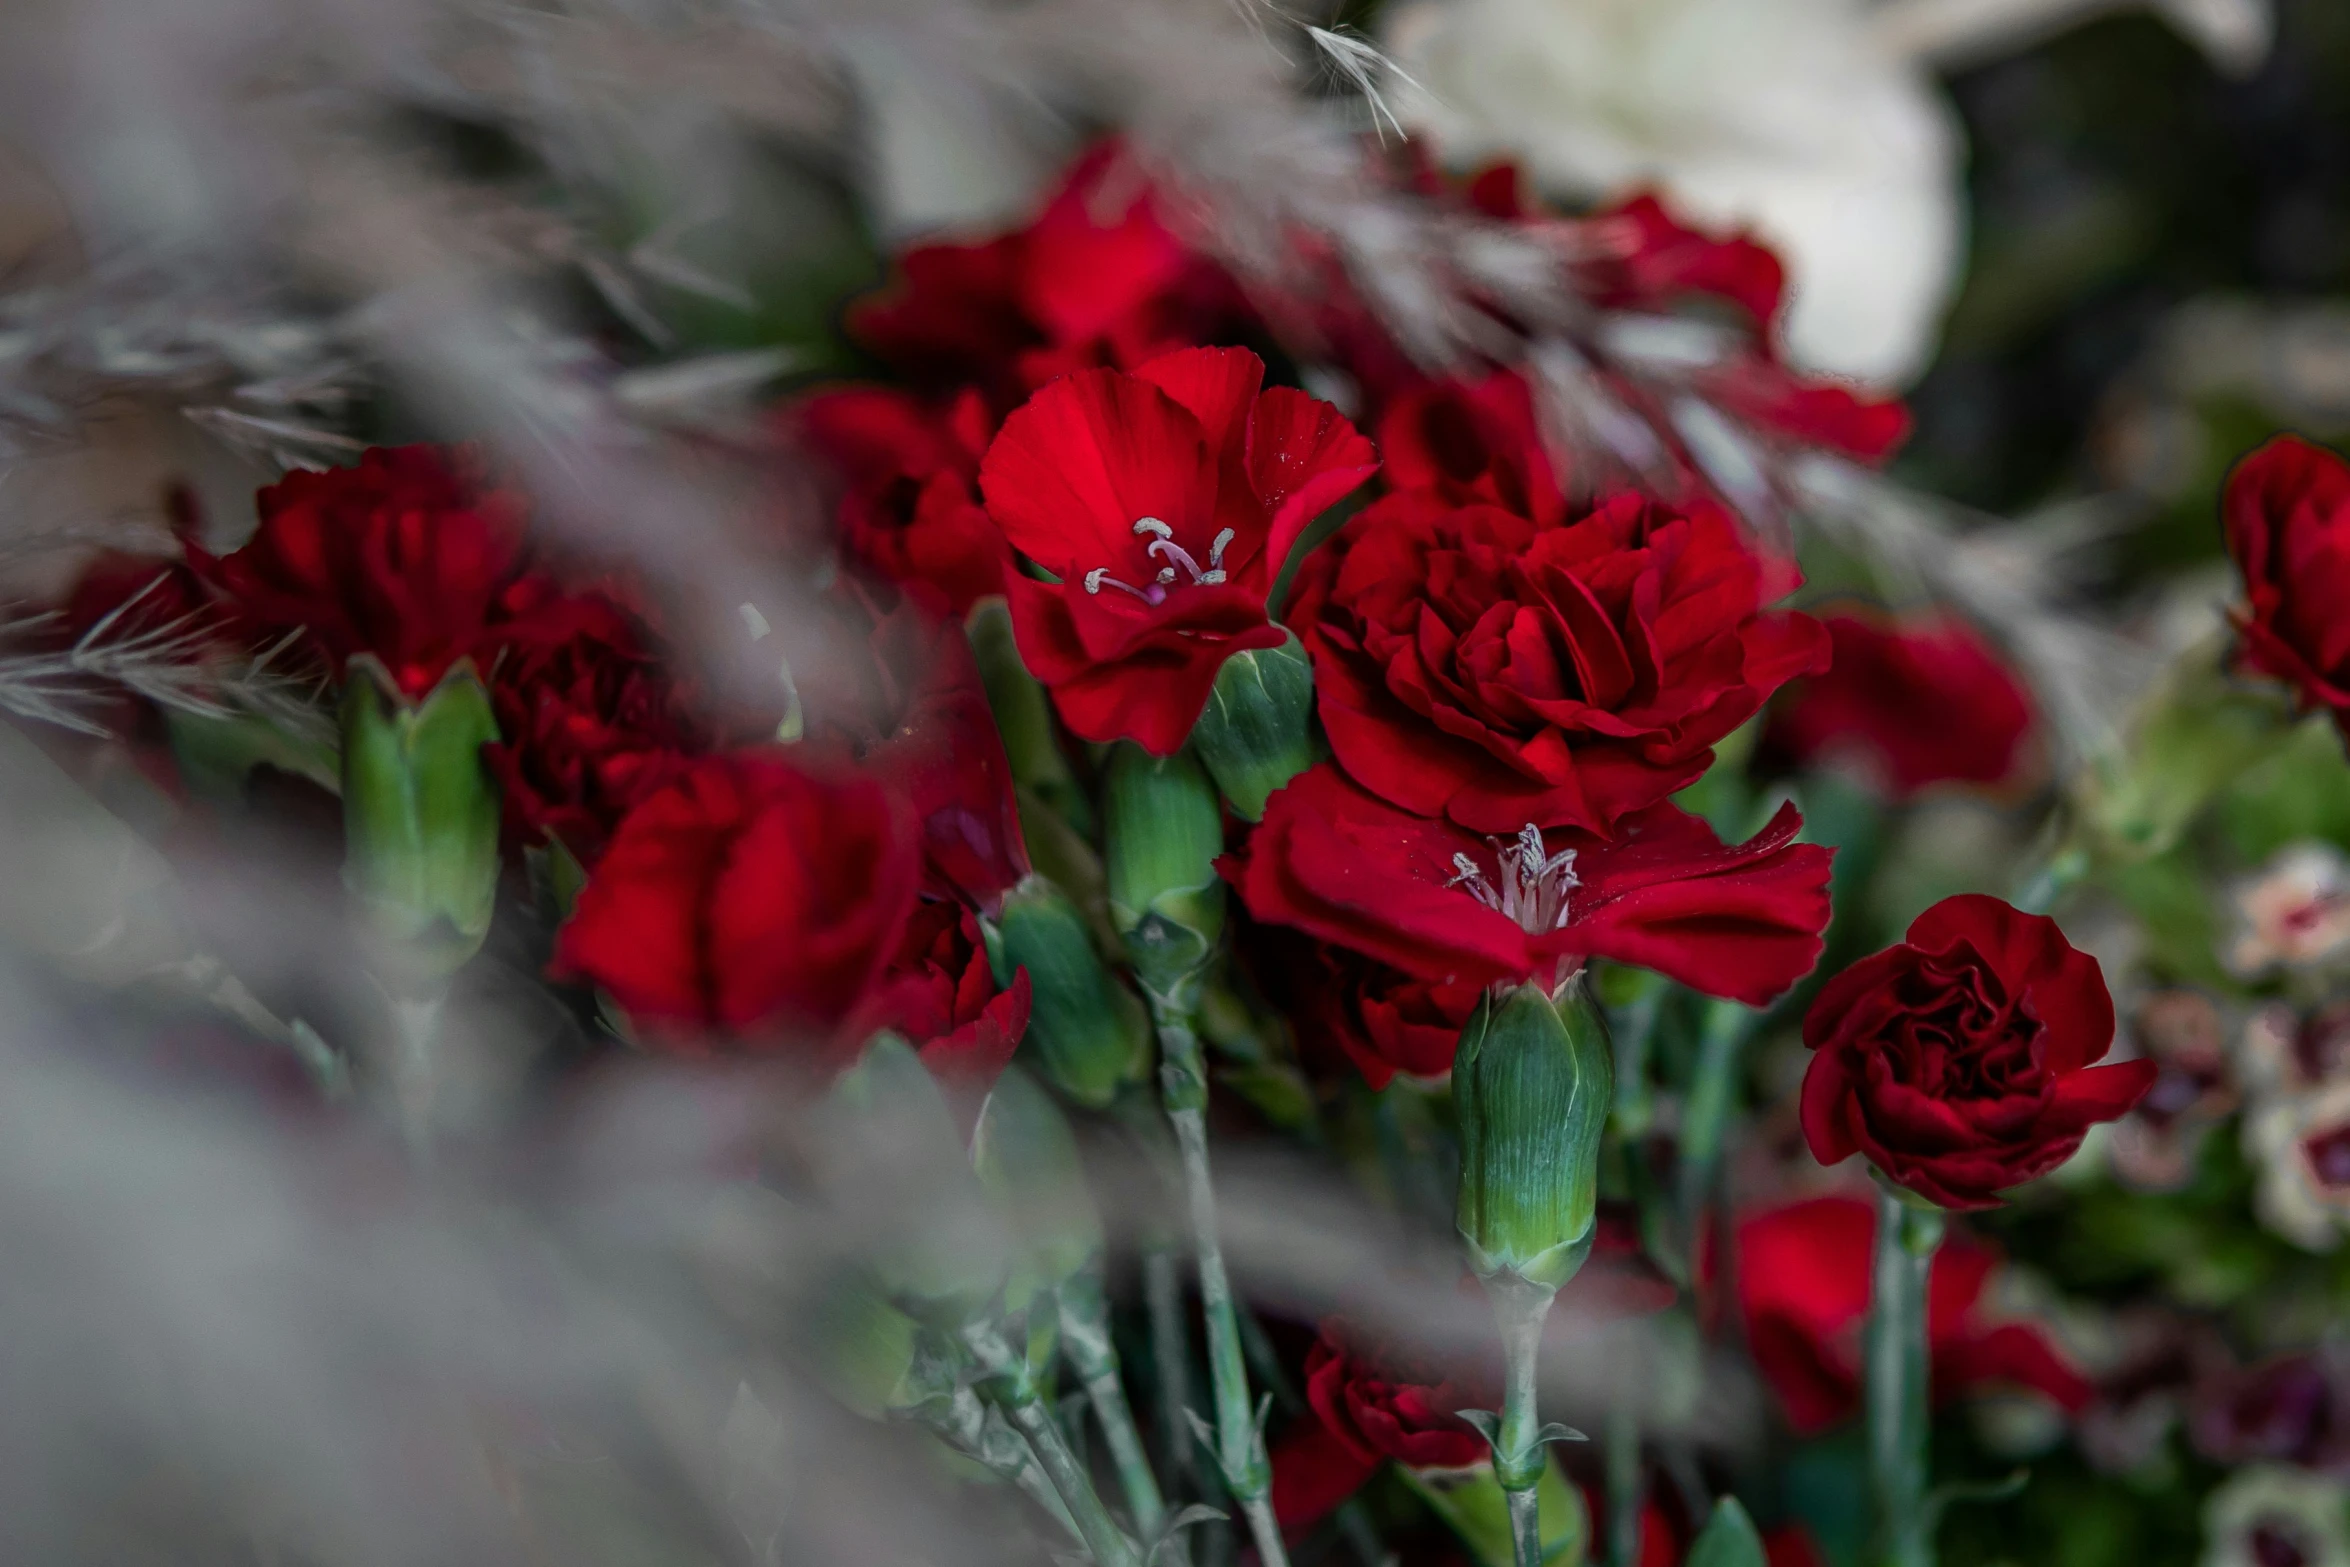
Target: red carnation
{"type": "Point", "coordinates": [910, 507]}
{"type": "Point", "coordinates": [1803, 1292]}
{"type": "Point", "coordinates": [940, 994]}
{"type": "Point", "coordinates": [1097, 279]}
{"type": "Point", "coordinates": [922, 723]}
{"type": "Point", "coordinates": [1959, 1061]}
{"type": "Point", "coordinates": [1383, 1020]}
{"type": "Point", "coordinates": [747, 898]}
{"type": "Point", "coordinates": [1430, 899]}
{"type": "Point", "coordinates": [591, 725]}
{"type": "Point", "coordinates": [1643, 258]}
{"type": "Point", "coordinates": [1367, 1407]}
{"type": "Point", "coordinates": [1916, 705]}
{"type": "Point", "coordinates": [1164, 502]}
{"type": "Point", "coordinates": [1647, 260]}
{"type": "Point", "coordinates": [2287, 513]}
{"type": "Point", "coordinates": [1472, 663]}
{"type": "Point", "coordinates": [415, 555]}
{"type": "Point", "coordinates": [1469, 442]}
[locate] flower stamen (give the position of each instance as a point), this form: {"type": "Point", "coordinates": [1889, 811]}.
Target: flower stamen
{"type": "Point", "coordinates": [1534, 883]}
{"type": "Point", "coordinates": [1164, 547]}
{"type": "Point", "coordinates": [1099, 578]}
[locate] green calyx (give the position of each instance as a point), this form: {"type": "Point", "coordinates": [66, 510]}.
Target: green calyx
{"type": "Point", "coordinates": [1165, 830]}
{"type": "Point", "coordinates": [420, 818]}
{"type": "Point", "coordinates": [1087, 1033]}
{"type": "Point", "coordinates": [1531, 1083]}
{"type": "Point", "coordinates": [1027, 1160]}
{"type": "Point", "coordinates": [942, 1258]}
{"type": "Point", "coordinates": [1257, 731]}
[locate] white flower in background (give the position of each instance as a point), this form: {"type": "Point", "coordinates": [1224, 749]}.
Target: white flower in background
{"type": "Point", "coordinates": [1783, 115]}
{"type": "Point", "coordinates": [2300, 1147]}
{"type": "Point", "coordinates": [1814, 122]}
{"type": "Point", "coordinates": [2264, 1515]}
{"type": "Point", "coordinates": [2295, 913]}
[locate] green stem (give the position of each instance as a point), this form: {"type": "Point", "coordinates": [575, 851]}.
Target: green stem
{"type": "Point", "coordinates": [410, 1074]}
{"type": "Point", "coordinates": [1520, 1307]}
{"type": "Point", "coordinates": [1085, 1339]}
{"type": "Point", "coordinates": [1015, 1393]}
{"type": "Point", "coordinates": [2039, 892]}
{"type": "Point", "coordinates": [1623, 1481]}
{"type": "Point", "coordinates": [979, 1431]}
{"type": "Point", "coordinates": [1705, 1116]}
{"type": "Point", "coordinates": [1240, 1445]}
{"type": "Point", "coordinates": [1896, 1378]}
{"type": "Point", "coordinates": [1162, 1299]}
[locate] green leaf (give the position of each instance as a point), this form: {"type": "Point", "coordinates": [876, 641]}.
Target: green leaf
{"type": "Point", "coordinates": [1729, 1539]}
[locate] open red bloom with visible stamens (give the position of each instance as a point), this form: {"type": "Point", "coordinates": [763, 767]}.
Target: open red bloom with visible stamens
{"type": "Point", "coordinates": [1165, 502]}
{"type": "Point", "coordinates": [1437, 901]}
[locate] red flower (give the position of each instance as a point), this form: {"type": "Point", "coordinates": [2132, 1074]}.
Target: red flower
{"type": "Point", "coordinates": [923, 724]}
{"type": "Point", "coordinates": [1919, 705]}
{"type": "Point", "coordinates": [1384, 1020]}
{"type": "Point", "coordinates": [1434, 901]}
{"type": "Point", "coordinates": [1367, 1407]}
{"type": "Point", "coordinates": [591, 725]}
{"type": "Point", "coordinates": [910, 510]}
{"type": "Point", "coordinates": [941, 995]}
{"type": "Point", "coordinates": [1469, 662]}
{"type": "Point", "coordinates": [1097, 279]}
{"type": "Point", "coordinates": [2287, 513]}
{"type": "Point", "coordinates": [1959, 1061]}
{"type": "Point", "coordinates": [748, 898]}
{"type": "Point", "coordinates": [1648, 261]}
{"type": "Point", "coordinates": [1164, 501]}
{"type": "Point", "coordinates": [154, 596]}
{"type": "Point", "coordinates": [1470, 442]}
{"type": "Point", "coordinates": [415, 556]}
{"type": "Point", "coordinates": [1803, 1293]}
{"type": "Point", "coordinates": [1643, 258]}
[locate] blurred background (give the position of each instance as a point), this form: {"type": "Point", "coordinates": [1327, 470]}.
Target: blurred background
{"type": "Point", "coordinates": [2101, 250]}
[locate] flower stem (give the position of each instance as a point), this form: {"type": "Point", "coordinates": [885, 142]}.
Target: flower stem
{"type": "Point", "coordinates": [1014, 1391]}
{"type": "Point", "coordinates": [1896, 1375]}
{"type": "Point", "coordinates": [1623, 1481]}
{"type": "Point", "coordinates": [1085, 1339]}
{"type": "Point", "coordinates": [1520, 1307]}
{"type": "Point", "coordinates": [1240, 1445]}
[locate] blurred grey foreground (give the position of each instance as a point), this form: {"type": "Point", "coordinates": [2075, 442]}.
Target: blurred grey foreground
{"type": "Point", "coordinates": [601, 1326]}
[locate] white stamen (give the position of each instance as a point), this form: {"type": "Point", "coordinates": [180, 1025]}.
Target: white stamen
{"type": "Point", "coordinates": [1534, 882]}
{"type": "Point", "coordinates": [1215, 571]}
{"type": "Point", "coordinates": [1153, 525]}
{"type": "Point", "coordinates": [1099, 577]}
{"type": "Point", "coordinates": [1166, 574]}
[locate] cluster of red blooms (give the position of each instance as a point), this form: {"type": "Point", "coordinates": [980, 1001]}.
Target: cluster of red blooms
{"type": "Point", "coordinates": [1515, 667]}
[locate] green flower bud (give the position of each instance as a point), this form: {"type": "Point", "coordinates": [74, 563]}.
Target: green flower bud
{"type": "Point", "coordinates": [1023, 716]}
{"type": "Point", "coordinates": [1027, 1160]}
{"type": "Point", "coordinates": [892, 1149]}
{"type": "Point", "coordinates": [420, 818]}
{"type": "Point", "coordinates": [1087, 1033]}
{"type": "Point", "coordinates": [1164, 832]}
{"type": "Point", "coordinates": [1531, 1086]}
{"type": "Point", "coordinates": [1257, 731]}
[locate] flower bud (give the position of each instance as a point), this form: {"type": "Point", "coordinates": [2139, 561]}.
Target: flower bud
{"type": "Point", "coordinates": [1531, 1085]}
{"type": "Point", "coordinates": [1257, 731]}
{"type": "Point", "coordinates": [1023, 716]}
{"type": "Point", "coordinates": [892, 1157]}
{"type": "Point", "coordinates": [1087, 1033]}
{"type": "Point", "coordinates": [1027, 1160]}
{"type": "Point", "coordinates": [1164, 832]}
{"type": "Point", "coordinates": [420, 818]}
